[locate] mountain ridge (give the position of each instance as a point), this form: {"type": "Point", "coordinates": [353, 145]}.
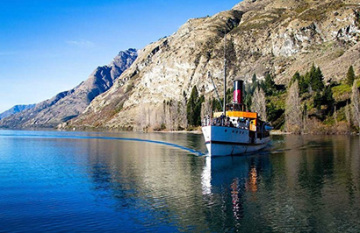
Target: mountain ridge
{"type": "Point", "coordinates": [15, 109]}
{"type": "Point", "coordinates": [69, 104]}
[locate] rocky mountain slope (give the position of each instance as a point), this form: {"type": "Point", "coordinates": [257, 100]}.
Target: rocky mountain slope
{"type": "Point", "coordinates": [69, 104]}
{"type": "Point", "coordinates": [262, 36]}
{"type": "Point", "coordinates": [15, 109]}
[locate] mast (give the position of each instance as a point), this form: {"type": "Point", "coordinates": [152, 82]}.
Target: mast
{"type": "Point", "coordinates": [224, 105]}
{"type": "Point", "coordinates": [217, 94]}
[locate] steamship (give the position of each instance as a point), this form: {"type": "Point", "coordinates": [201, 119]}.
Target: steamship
{"type": "Point", "coordinates": [235, 131]}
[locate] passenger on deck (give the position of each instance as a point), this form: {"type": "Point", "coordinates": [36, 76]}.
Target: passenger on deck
{"type": "Point", "coordinates": [247, 123]}
{"type": "Point", "coordinates": [222, 117]}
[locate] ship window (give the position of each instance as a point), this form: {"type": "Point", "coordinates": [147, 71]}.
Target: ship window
{"type": "Point", "coordinates": [225, 130]}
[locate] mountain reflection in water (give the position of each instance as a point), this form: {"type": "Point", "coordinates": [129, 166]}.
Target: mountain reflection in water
{"type": "Point", "coordinates": [63, 181]}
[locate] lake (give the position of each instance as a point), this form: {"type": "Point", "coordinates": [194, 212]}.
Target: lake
{"type": "Point", "coordinates": [132, 182]}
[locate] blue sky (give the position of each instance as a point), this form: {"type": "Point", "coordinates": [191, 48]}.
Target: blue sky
{"type": "Point", "coordinates": [49, 46]}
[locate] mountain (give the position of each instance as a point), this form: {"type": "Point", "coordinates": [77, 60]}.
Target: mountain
{"type": "Point", "coordinates": [69, 104]}
{"type": "Point", "coordinates": [262, 36]}
{"type": "Point", "coordinates": [15, 109]}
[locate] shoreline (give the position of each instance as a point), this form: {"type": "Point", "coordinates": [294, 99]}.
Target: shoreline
{"type": "Point", "coordinates": [196, 131]}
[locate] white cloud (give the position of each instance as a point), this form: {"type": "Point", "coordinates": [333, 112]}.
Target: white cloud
{"type": "Point", "coordinates": [81, 43]}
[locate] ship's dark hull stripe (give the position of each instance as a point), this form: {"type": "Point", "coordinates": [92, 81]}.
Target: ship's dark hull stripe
{"type": "Point", "coordinates": [234, 143]}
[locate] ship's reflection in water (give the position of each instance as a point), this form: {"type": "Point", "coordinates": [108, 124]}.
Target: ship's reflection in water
{"type": "Point", "coordinates": [237, 176]}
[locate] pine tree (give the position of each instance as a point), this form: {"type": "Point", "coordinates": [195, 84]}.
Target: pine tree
{"type": "Point", "coordinates": [269, 84]}
{"type": "Point", "coordinates": [229, 95]}
{"type": "Point", "coordinates": [215, 105]}
{"type": "Point", "coordinates": [190, 107]}
{"type": "Point", "coordinates": [295, 77]}
{"type": "Point", "coordinates": [311, 76]}
{"type": "Point", "coordinates": [305, 118]}
{"type": "Point", "coordinates": [328, 99]}
{"type": "Point", "coordinates": [350, 76]}
{"type": "Point", "coordinates": [303, 85]}
{"type": "Point", "coordinates": [193, 108]}
{"type": "Point", "coordinates": [315, 78]}
{"type": "Point", "coordinates": [318, 100]}
{"type": "Point", "coordinates": [318, 81]}
{"type": "Point", "coordinates": [303, 82]}
{"type": "Point", "coordinates": [248, 94]}
{"type": "Point", "coordinates": [197, 110]}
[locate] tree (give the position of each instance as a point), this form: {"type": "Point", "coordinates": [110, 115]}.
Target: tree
{"type": "Point", "coordinates": [206, 108]}
{"type": "Point", "coordinates": [295, 77]}
{"type": "Point", "coordinates": [335, 115]}
{"type": "Point", "coordinates": [215, 105]}
{"type": "Point", "coordinates": [348, 114]}
{"type": "Point", "coordinates": [318, 100]}
{"type": "Point", "coordinates": [269, 84]}
{"type": "Point", "coordinates": [193, 108]}
{"type": "Point", "coordinates": [311, 75]}
{"type": "Point", "coordinates": [318, 80]}
{"type": "Point", "coordinates": [305, 118]}
{"type": "Point", "coordinates": [293, 114]}
{"type": "Point", "coordinates": [303, 84]}
{"type": "Point", "coordinates": [315, 78]}
{"type": "Point", "coordinates": [255, 83]}
{"type": "Point", "coordinates": [328, 99]}
{"type": "Point", "coordinates": [170, 115]}
{"type": "Point", "coordinates": [259, 103]}
{"type": "Point", "coordinates": [197, 110]}
{"type": "Point", "coordinates": [229, 95]}
{"type": "Point", "coordinates": [355, 105]}
{"type": "Point", "coordinates": [248, 94]}
{"type": "Point", "coordinates": [350, 76]}
{"type": "Point", "coordinates": [190, 107]}
{"type": "Point", "coordinates": [182, 114]}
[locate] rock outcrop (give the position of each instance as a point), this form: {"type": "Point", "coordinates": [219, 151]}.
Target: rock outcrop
{"type": "Point", "coordinates": [262, 36]}
{"type": "Point", "coordinates": [69, 104]}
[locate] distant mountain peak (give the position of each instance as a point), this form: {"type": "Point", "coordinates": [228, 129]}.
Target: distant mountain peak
{"type": "Point", "coordinates": [15, 109]}
{"type": "Point", "coordinates": [68, 104]}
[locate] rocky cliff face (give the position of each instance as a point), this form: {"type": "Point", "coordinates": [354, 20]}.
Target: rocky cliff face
{"type": "Point", "coordinates": [276, 36]}
{"type": "Point", "coordinates": [69, 104]}
{"type": "Point", "coordinates": [15, 109]}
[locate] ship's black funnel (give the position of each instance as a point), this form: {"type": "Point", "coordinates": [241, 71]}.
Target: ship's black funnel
{"type": "Point", "coordinates": [238, 91]}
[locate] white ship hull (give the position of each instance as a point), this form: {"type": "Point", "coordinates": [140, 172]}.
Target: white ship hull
{"type": "Point", "coordinates": [224, 141]}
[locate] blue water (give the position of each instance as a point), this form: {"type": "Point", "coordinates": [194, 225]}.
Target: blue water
{"type": "Point", "coordinates": [131, 182]}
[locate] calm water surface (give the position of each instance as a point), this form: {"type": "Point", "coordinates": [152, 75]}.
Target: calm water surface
{"type": "Point", "coordinates": [120, 182]}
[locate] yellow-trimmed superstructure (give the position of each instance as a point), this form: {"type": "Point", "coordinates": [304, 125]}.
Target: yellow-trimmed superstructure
{"type": "Point", "coordinates": [241, 114]}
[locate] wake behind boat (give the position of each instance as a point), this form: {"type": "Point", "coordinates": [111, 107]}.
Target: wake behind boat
{"type": "Point", "coordinates": [235, 131]}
